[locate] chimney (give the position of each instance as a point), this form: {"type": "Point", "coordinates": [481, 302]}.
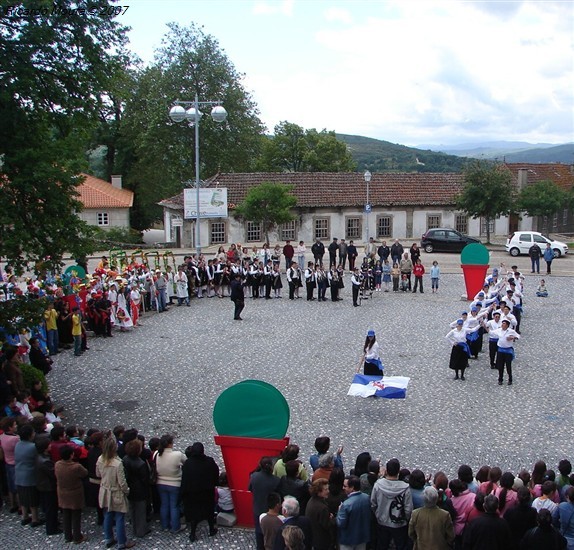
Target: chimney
{"type": "Point", "coordinates": [522, 178]}
{"type": "Point", "coordinates": [117, 182]}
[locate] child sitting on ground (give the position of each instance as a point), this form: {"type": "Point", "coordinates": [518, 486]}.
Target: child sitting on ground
{"type": "Point", "coordinates": [542, 291]}
{"type": "Point", "coordinates": [224, 500]}
{"type": "Point", "coordinates": [404, 283]}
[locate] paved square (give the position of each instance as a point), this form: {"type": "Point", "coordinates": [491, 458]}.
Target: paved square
{"type": "Point", "coordinates": [166, 376]}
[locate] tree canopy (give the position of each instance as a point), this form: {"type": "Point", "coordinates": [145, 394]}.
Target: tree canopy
{"type": "Point", "coordinates": [487, 192]}
{"type": "Point", "coordinates": [543, 198]}
{"type": "Point", "coordinates": [54, 67]}
{"type": "Point", "coordinates": [293, 149]}
{"type": "Point", "coordinates": [157, 155]}
{"type": "Point", "coordinates": [269, 204]}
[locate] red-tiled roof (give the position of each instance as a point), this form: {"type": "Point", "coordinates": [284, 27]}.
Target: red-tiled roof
{"type": "Point", "coordinates": [322, 189]}
{"type": "Point", "coordinates": [97, 193]}
{"type": "Point", "coordinates": [561, 174]}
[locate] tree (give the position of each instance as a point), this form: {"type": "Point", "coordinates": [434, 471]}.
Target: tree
{"type": "Point", "coordinates": [543, 198]}
{"type": "Point", "coordinates": [54, 61]}
{"type": "Point", "coordinates": [269, 204]}
{"type": "Point", "coordinates": [487, 192]}
{"type": "Point", "coordinates": [292, 149]}
{"type": "Point", "coordinates": [156, 155]}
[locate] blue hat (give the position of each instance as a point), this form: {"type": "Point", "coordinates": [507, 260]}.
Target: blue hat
{"type": "Point", "coordinates": [481, 293]}
{"type": "Point", "coordinates": [464, 313]}
{"type": "Point", "coordinates": [473, 308]}
{"type": "Point", "coordinates": [371, 332]}
{"type": "Point", "coordinates": [459, 322]}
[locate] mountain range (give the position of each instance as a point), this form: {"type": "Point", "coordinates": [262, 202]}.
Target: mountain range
{"type": "Point", "coordinates": [383, 156]}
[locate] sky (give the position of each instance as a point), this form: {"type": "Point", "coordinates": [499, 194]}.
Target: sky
{"type": "Point", "coordinates": [408, 71]}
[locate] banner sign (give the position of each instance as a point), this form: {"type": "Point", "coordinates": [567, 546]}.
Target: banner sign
{"type": "Point", "coordinates": [212, 203]}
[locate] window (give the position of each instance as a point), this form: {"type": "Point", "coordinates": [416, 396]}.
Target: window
{"type": "Point", "coordinates": [384, 227]}
{"type": "Point", "coordinates": [353, 228]}
{"type": "Point", "coordinates": [253, 232]}
{"type": "Point", "coordinates": [555, 221]}
{"type": "Point", "coordinates": [218, 233]}
{"type": "Point", "coordinates": [433, 220]}
{"type": "Point", "coordinates": [525, 237]}
{"type": "Point", "coordinates": [322, 229]}
{"type": "Point", "coordinates": [461, 223]}
{"type": "Point", "coordinates": [288, 231]}
{"type": "Point", "coordinates": [103, 219]}
{"type": "Point", "coordinates": [483, 226]}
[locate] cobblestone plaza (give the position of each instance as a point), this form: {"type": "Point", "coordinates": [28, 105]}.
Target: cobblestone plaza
{"type": "Point", "coordinates": [166, 375]}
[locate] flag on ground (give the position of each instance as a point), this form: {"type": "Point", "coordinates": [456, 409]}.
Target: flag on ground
{"type": "Point", "coordinates": [391, 387]}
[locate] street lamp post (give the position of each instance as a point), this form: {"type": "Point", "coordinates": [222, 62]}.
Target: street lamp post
{"type": "Point", "coordinates": [367, 176]}
{"type": "Point", "coordinates": [193, 115]}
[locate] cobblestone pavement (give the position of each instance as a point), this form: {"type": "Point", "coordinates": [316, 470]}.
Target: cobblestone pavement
{"type": "Point", "coordinates": [166, 376]}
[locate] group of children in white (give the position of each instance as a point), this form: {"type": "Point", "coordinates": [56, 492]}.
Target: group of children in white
{"type": "Point", "coordinates": [495, 311]}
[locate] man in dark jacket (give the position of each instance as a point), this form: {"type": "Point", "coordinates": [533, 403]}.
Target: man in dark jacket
{"type": "Point", "coordinates": [520, 518]}
{"type": "Point", "coordinates": [318, 250]}
{"type": "Point", "coordinates": [237, 296]}
{"type": "Point", "coordinates": [290, 511]}
{"type": "Point", "coordinates": [37, 357]}
{"type": "Point", "coordinates": [383, 251]}
{"type": "Point", "coordinates": [354, 515]}
{"type": "Point", "coordinates": [333, 249]}
{"type": "Point", "coordinates": [397, 251]}
{"type": "Point", "coordinates": [199, 477]}
{"type": "Point", "coordinates": [535, 252]}
{"type": "Point", "coordinates": [489, 531]}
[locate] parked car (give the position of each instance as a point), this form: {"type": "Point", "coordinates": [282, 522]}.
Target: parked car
{"type": "Point", "coordinates": [521, 241]}
{"type": "Point", "coordinates": [445, 240]}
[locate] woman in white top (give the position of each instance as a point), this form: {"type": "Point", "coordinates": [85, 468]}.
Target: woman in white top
{"type": "Point", "coordinates": [372, 366]}
{"type": "Point", "coordinates": [168, 465]}
{"type": "Point", "coordinates": [301, 250]}
{"type": "Point", "coordinates": [460, 350]}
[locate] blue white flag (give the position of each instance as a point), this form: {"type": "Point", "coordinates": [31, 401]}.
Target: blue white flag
{"type": "Point", "coordinates": [391, 387]}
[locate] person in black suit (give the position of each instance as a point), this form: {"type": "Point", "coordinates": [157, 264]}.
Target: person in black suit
{"type": "Point", "coordinates": [237, 296]}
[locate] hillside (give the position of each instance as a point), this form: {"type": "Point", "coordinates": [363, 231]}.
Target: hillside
{"type": "Point", "coordinates": [559, 153]}
{"type": "Point", "coordinates": [512, 151]}
{"type": "Point", "coordinates": [382, 156]}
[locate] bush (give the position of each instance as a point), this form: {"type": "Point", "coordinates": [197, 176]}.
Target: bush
{"type": "Point", "coordinates": [30, 374]}
{"type": "Point", "coordinates": [117, 236]}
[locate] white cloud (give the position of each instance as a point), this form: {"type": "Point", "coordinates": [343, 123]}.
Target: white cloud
{"type": "Point", "coordinates": [274, 7]}
{"type": "Point", "coordinates": [338, 14]}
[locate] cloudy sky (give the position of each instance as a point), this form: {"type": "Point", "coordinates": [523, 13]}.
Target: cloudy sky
{"type": "Point", "coordinates": [406, 71]}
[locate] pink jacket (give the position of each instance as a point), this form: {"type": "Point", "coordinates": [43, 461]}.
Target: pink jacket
{"type": "Point", "coordinates": [462, 504]}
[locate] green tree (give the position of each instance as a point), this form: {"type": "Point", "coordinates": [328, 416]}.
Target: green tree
{"type": "Point", "coordinates": [268, 203]}
{"type": "Point", "coordinates": [487, 192]}
{"type": "Point", "coordinates": [54, 61]}
{"type": "Point", "coordinates": [543, 198]}
{"type": "Point", "coordinates": [293, 149]}
{"type": "Point", "coordinates": [156, 155]}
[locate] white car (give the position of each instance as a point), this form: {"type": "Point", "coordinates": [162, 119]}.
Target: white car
{"type": "Point", "coordinates": [521, 241]}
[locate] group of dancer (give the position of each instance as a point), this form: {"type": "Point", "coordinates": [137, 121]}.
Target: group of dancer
{"type": "Point", "coordinates": [496, 311]}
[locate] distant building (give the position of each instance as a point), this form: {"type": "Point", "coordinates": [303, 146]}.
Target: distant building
{"type": "Point", "coordinates": [403, 206]}
{"type": "Point", "coordinates": [524, 174]}
{"type": "Point", "coordinates": [106, 205]}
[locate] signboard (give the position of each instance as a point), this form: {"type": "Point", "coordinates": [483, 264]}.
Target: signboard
{"type": "Point", "coordinates": [176, 222]}
{"type": "Point", "coordinates": [212, 203]}
{"type": "Point", "coordinates": [368, 208]}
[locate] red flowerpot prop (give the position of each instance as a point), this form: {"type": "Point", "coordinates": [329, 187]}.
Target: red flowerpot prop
{"type": "Point", "coordinates": [241, 456]}
{"type": "Point", "coordinates": [474, 276]}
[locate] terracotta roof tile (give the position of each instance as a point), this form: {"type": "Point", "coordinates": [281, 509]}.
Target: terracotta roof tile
{"type": "Point", "coordinates": [561, 174]}
{"type": "Point", "coordinates": [97, 193]}
{"type": "Point", "coordinates": [322, 189]}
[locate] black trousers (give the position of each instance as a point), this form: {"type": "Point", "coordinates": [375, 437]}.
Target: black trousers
{"type": "Point", "coordinates": [355, 294]}
{"type": "Point", "coordinates": [492, 349]}
{"type": "Point", "coordinates": [72, 525]}
{"type": "Point", "coordinates": [418, 280]}
{"type": "Point", "coordinates": [239, 305]}
{"type": "Point", "coordinates": [504, 360]}
{"type": "Point", "coordinates": [310, 290]}
{"type": "Point", "coordinates": [49, 504]}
